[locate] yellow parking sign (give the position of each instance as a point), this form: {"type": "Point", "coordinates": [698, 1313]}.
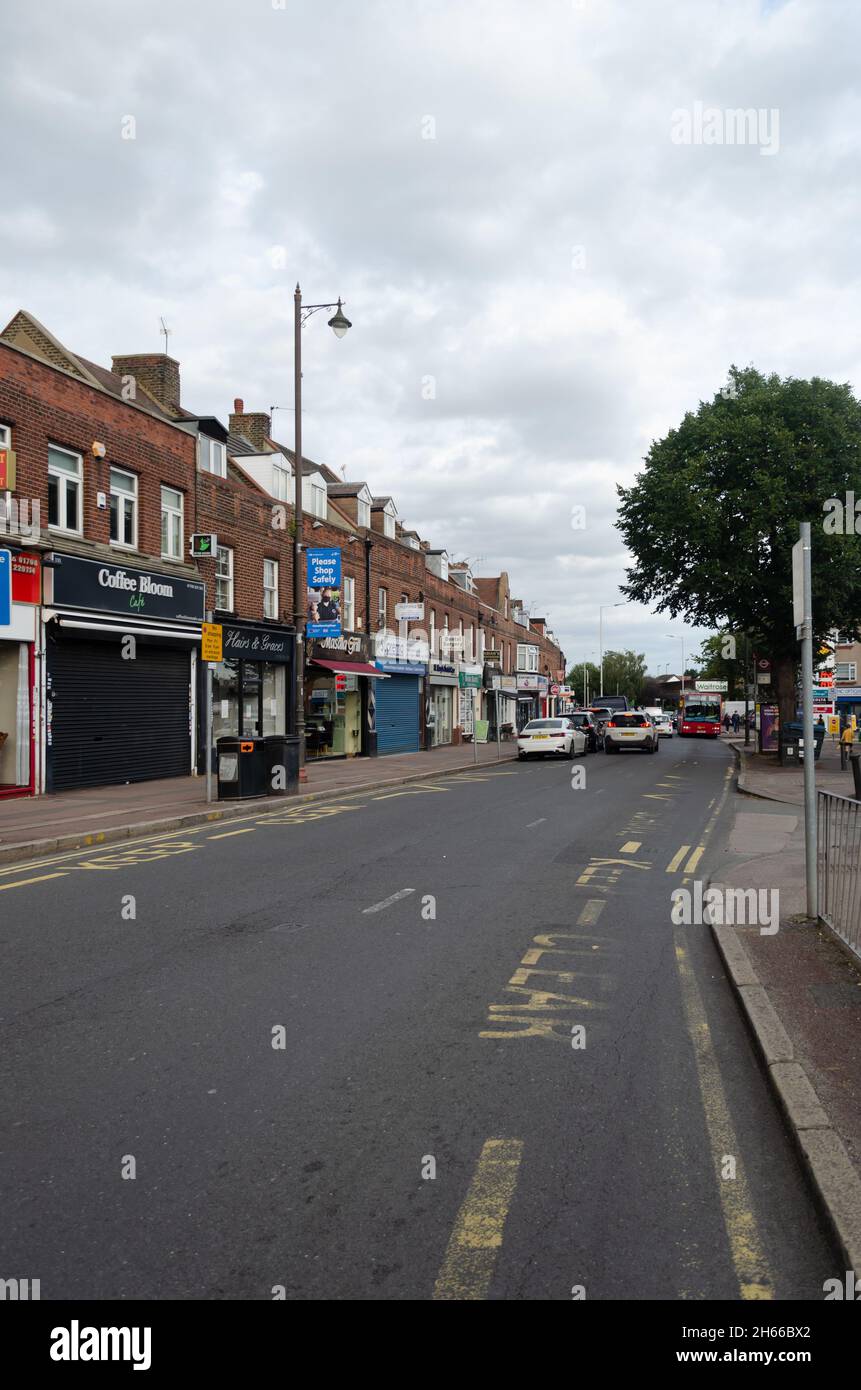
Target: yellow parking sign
{"type": "Point", "coordinates": [211, 642]}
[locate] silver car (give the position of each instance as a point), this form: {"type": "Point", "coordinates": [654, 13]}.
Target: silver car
{"type": "Point", "coordinates": [630, 729]}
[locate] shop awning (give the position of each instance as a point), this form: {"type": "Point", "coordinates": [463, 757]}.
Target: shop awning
{"type": "Point", "coordinates": [351, 668]}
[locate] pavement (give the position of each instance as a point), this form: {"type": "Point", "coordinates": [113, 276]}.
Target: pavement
{"type": "Point", "coordinates": [440, 1040]}
{"type": "Point", "coordinates": [800, 988]}
{"type": "Point", "coordinates": [100, 815]}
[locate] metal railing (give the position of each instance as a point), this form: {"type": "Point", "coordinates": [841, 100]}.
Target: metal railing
{"type": "Point", "coordinates": [839, 864]}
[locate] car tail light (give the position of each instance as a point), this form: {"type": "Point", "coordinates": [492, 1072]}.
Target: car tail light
{"type": "Point", "coordinates": [610, 724]}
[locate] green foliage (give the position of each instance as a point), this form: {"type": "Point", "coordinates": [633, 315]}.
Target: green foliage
{"type": "Point", "coordinates": [712, 519]}
{"type": "Point", "coordinates": [624, 674]}
{"type": "Point", "coordinates": [716, 666]}
{"type": "Point", "coordinates": [575, 679]}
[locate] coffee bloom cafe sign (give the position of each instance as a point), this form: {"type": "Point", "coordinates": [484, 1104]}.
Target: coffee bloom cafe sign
{"type": "Point", "coordinates": [73, 582]}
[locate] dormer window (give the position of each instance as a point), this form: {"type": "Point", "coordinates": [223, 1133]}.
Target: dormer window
{"type": "Point", "coordinates": [364, 512]}
{"type": "Point", "coordinates": [282, 483]}
{"type": "Point", "coordinates": [212, 456]}
{"type": "Point", "coordinates": [314, 498]}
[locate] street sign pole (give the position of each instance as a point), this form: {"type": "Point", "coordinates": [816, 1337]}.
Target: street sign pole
{"type": "Point", "coordinates": [209, 723]}
{"type": "Point", "coordinates": [803, 614]}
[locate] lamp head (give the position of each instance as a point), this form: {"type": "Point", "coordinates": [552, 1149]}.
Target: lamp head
{"type": "Point", "coordinates": [339, 323]}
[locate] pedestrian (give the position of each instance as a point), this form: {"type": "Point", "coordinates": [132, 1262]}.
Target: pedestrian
{"type": "Point", "coordinates": [726, 723]}
{"type": "Point", "coordinates": [735, 723]}
{"type": "Point", "coordinates": [847, 738]}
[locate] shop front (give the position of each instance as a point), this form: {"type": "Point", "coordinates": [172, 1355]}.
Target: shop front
{"type": "Point", "coordinates": [440, 710]}
{"type": "Point", "coordinates": [251, 685]}
{"type": "Point", "coordinates": [341, 697]}
{"type": "Point", "coordinates": [17, 679]}
{"type": "Point", "coordinates": [120, 660]}
{"type": "Point", "coordinates": [501, 705]}
{"type": "Point", "coordinates": [468, 698]}
{"type": "Point", "coordinates": [528, 701]}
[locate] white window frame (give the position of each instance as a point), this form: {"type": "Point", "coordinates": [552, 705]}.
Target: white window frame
{"type": "Point", "coordinates": [363, 513]}
{"type": "Point", "coordinates": [172, 512]}
{"type": "Point", "coordinates": [382, 607]}
{"type": "Point", "coordinates": [348, 603]}
{"type": "Point", "coordinates": [849, 667]}
{"type": "Point", "coordinates": [123, 496]}
{"type": "Point", "coordinates": [388, 524]}
{"type": "Point", "coordinates": [221, 578]}
{"type": "Point", "coordinates": [65, 477]}
{"type": "Point", "coordinates": [5, 436]}
{"type": "Point", "coordinates": [209, 450]}
{"type": "Point", "coordinates": [282, 482]}
{"type": "Point", "coordinates": [530, 661]}
{"type": "Point", "coordinates": [270, 589]}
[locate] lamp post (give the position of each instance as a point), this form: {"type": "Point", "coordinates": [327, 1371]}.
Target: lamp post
{"type": "Point", "coordinates": [679, 638]}
{"type": "Point", "coordinates": [339, 325]}
{"type": "Point", "coordinates": [601, 636]}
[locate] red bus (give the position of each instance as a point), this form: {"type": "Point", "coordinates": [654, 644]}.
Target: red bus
{"type": "Point", "coordinates": [700, 713]}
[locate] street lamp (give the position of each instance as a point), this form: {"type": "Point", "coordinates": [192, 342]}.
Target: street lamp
{"type": "Point", "coordinates": [601, 635]}
{"type": "Point", "coordinates": [339, 325]}
{"type": "Point", "coordinates": [677, 638]}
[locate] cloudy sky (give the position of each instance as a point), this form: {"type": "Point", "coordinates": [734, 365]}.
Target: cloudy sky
{"type": "Point", "coordinates": [544, 262]}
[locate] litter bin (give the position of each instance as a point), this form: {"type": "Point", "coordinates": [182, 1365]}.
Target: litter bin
{"type": "Point", "coordinates": [282, 764]}
{"type": "Point", "coordinates": [791, 746]}
{"type": "Point", "coordinates": [819, 739]}
{"type": "Point", "coordinates": [241, 764]}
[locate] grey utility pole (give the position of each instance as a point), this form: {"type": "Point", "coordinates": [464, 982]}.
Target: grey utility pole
{"type": "Point", "coordinates": [802, 602]}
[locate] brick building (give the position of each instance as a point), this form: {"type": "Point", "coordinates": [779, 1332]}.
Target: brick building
{"type": "Point", "coordinates": [100, 672]}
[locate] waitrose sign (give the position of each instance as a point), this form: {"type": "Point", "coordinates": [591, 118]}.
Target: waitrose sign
{"type": "Point", "coordinates": [73, 582]}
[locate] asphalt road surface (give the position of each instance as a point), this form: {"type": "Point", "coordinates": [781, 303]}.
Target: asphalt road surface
{"type": "Point", "coordinates": [442, 1041]}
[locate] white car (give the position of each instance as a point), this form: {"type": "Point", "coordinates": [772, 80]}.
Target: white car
{"type": "Point", "coordinates": [664, 725]}
{"type": "Point", "coordinates": [630, 729]}
{"type": "Point", "coordinates": [542, 737]}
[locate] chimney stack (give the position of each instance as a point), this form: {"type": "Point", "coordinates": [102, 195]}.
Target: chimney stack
{"type": "Point", "coordinates": [157, 373]}
{"type": "Point", "coordinates": [254, 426]}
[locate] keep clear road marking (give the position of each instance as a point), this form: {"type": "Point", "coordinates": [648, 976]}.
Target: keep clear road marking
{"type": "Point", "coordinates": [23, 882]}
{"type": "Point", "coordinates": [387, 902]}
{"type": "Point", "coordinates": [470, 1258]}
{"type": "Point", "coordinates": [747, 1255]}
{"type": "Point", "coordinates": [532, 824]}
{"type": "Point", "coordinates": [675, 862]}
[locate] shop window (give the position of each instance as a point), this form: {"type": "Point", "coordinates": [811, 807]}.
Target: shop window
{"type": "Point", "coordinates": [65, 489]}
{"type": "Point", "coordinates": [172, 527]}
{"type": "Point", "coordinates": [212, 456]}
{"type": "Point", "coordinates": [225, 698]}
{"type": "Point", "coordinates": [270, 588]}
{"type": "Point", "coordinates": [14, 716]}
{"type": "Point", "coordinates": [124, 508]}
{"type": "Point", "coordinates": [348, 599]}
{"type": "Point", "coordinates": [224, 579]}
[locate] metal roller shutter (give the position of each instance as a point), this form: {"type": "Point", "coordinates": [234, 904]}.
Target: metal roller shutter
{"type": "Point", "coordinates": [398, 715]}
{"type": "Point", "coordinates": [116, 721]}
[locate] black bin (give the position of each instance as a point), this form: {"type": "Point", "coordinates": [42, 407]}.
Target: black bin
{"type": "Point", "coordinates": [282, 764]}
{"type": "Point", "coordinates": [792, 743]}
{"type": "Point", "coordinates": [241, 764]}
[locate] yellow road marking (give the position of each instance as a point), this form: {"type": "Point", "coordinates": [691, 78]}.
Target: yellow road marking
{"type": "Point", "coordinates": [22, 882]}
{"type": "Point", "coordinates": [751, 1268]}
{"type": "Point", "coordinates": [695, 859]}
{"type": "Point", "coordinates": [630, 847]}
{"type": "Point", "coordinates": [590, 913]}
{"type": "Point", "coordinates": [676, 860]}
{"type": "Point", "coordinates": [470, 1258]}
{"type": "Point", "coordinates": [226, 834]}
{"type": "Point", "coordinates": [657, 796]}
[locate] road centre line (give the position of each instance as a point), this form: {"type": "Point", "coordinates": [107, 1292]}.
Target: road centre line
{"type": "Point", "coordinates": [532, 824]}
{"type": "Point", "coordinates": [387, 902]}
{"type": "Point", "coordinates": [476, 1238]}
{"type": "Point", "coordinates": [744, 1241]}
{"type": "Point", "coordinates": [591, 911]}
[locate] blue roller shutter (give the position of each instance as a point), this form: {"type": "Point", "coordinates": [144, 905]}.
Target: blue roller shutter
{"type": "Point", "coordinates": [398, 714]}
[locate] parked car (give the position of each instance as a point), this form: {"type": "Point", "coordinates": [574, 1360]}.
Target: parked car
{"type": "Point", "coordinates": [630, 729]}
{"type": "Point", "coordinates": [542, 737]}
{"type": "Point", "coordinates": [664, 725]}
{"type": "Point", "coordinates": [583, 719]}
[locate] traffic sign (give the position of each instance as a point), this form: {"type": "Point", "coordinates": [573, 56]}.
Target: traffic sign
{"type": "Point", "coordinates": [203, 544]}
{"type": "Point", "coordinates": [210, 641]}
{"type": "Point", "coordinates": [5, 587]}
{"type": "Point", "coordinates": [555, 689]}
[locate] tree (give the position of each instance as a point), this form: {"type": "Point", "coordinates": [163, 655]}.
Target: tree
{"type": "Point", "coordinates": [712, 519]}
{"type": "Point", "coordinates": [575, 679]}
{"type": "Point", "coordinates": [624, 674]}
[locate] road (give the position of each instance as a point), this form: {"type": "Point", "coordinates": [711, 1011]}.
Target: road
{"type": "Point", "coordinates": [335, 1048]}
